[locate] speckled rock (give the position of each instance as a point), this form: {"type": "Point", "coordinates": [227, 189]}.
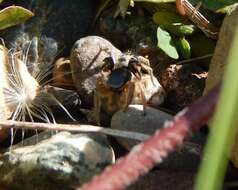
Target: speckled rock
{"type": "Point", "coordinates": [86, 59]}
{"type": "Point", "coordinates": [61, 162]}
{"type": "Point", "coordinates": [135, 119]}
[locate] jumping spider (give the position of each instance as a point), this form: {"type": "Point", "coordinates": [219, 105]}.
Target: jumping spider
{"type": "Point", "coordinates": [130, 80]}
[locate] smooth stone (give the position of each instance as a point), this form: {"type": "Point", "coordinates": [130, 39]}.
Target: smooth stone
{"type": "Point", "coordinates": [135, 119]}
{"type": "Point", "coordinates": [184, 158]}
{"type": "Point", "coordinates": [61, 162]}
{"type": "Point", "coordinates": [86, 60]}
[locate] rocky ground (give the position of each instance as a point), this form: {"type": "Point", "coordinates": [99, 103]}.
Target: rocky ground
{"type": "Point", "coordinates": [109, 74]}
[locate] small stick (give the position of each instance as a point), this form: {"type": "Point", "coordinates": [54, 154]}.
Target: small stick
{"type": "Point", "coordinates": [8, 124]}
{"type": "Point", "coordinates": [155, 149]}
{"type": "Point", "coordinates": [194, 59]}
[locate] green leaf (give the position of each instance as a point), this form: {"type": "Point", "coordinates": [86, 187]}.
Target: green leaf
{"type": "Point", "coordinates": [166, 44]}
{"type": "Point", "coordinates": [173, 23]}
{"type": "Point", "coordinates": [186, 29]}
{"type": "Point", "coordinates": [166, 17]}
{"type": "Point", "coordinates": [13, 15]}
{"type": "Point", "coordinates": [183, 47]}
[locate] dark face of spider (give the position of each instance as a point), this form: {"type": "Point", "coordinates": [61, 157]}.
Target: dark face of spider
{"type": "Point", "coordinates": [108, 64]}
{"type": "Point", "coordinates": [134, 67]}
{"type": "Point", "coordinates": [118, 78]}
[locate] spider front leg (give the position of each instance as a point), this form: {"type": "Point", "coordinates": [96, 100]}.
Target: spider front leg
{"type": "Point", "coordinates": [129, 90]}
{"type": "Point", "coordinates": [149, 70]}
{"type": "Point", "coordinates": [145, 65]}
{"type": "Point", "coordinates": [143, 98]}
{"type": "Point", "coordinates": [140, 64]}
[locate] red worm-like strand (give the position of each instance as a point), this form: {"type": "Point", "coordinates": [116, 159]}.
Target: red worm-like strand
{"type": "Point", "coordinates": [180, 8]}
{"type": "Point", "coordinates": [147, 154]}
{"type": "Point", "coordinates": [184, 7]}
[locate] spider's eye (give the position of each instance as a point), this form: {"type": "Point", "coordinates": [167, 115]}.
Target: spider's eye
{"type": "Point", "coordinates": [133, 63]}
{"type": "Point", "coordinates": [133, 60]}
{"type": "Point", "coordinates": [108, 64]}
{"type": "Point", "coordinates": [122, 59]}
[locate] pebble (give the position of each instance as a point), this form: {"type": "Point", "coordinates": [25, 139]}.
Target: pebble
{"type": "Point", "coordinates": [137, 120]}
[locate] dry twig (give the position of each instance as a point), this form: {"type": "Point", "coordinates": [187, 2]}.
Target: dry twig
{"type": "Point", "coordinates": [73, 128]}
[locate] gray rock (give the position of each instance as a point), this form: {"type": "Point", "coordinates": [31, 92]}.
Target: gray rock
{"type": "Point", "coordinates": [185, 158]}
{"type": "Point", "coordinates": [61, 162]}
{"type": "Point", "coordinates": [135, 119]}
{"type": "Point", "coordinates": [86, 59]}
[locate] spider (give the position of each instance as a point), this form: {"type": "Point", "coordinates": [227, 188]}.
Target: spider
{"type": "Point", "coordinates": [130, 80]}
